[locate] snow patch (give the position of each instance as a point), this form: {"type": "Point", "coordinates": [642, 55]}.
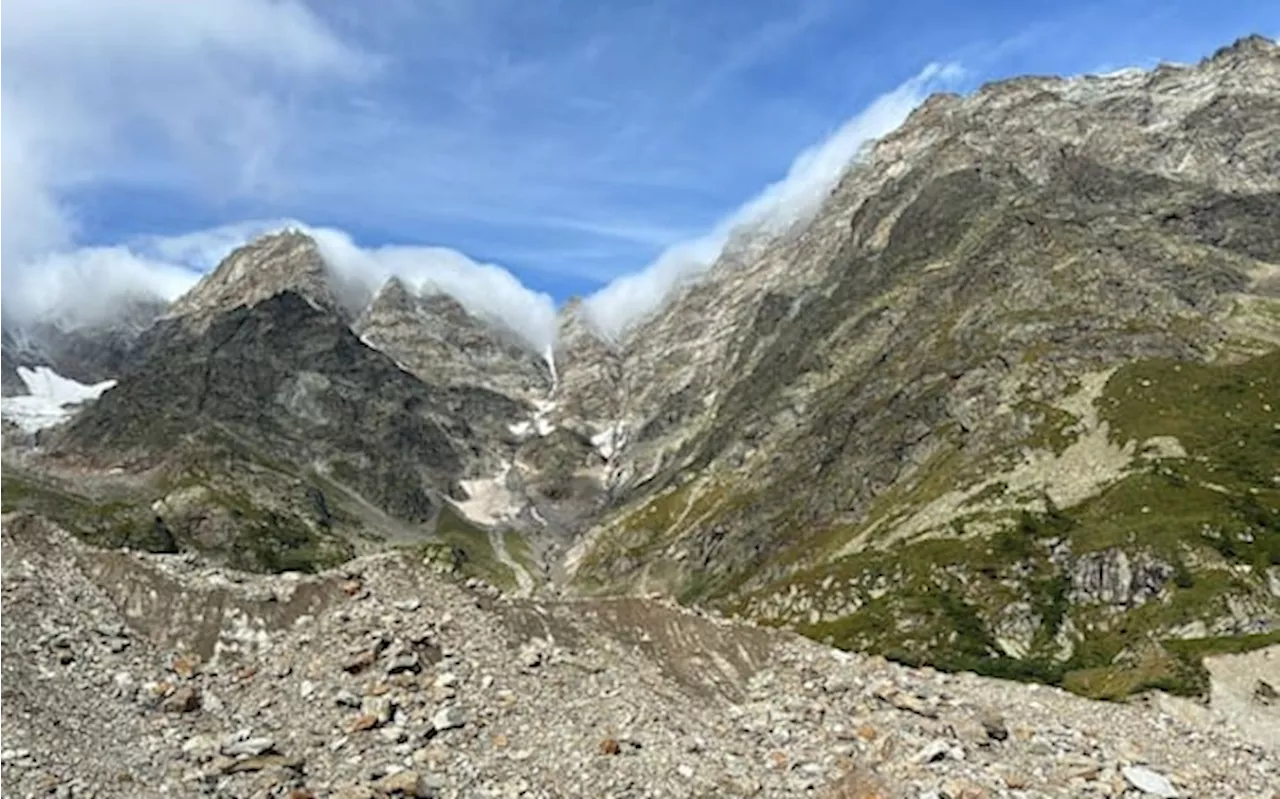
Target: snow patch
{"type": "Point", "coordinates": [489, 500]}
{"type": "Point", "coordinates": [610, 441]}
{"type": "Point", "coordinates": [1123, 72]}
{"type": "Point", "coordinates": [549, 356]}
{"type": "Point", "coordinates": [543, 409]}
{"type": "Point", "coordinates": [51, 398]}
{"type": "Point", "coordinates": [538, 423]}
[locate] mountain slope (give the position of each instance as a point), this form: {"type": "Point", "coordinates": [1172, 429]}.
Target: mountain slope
{"type": "Point", "coordinates": [908, 424]}
{"type": "Point", "coordinates": [250, 423]}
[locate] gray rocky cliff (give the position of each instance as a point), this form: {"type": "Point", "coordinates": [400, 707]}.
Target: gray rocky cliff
{"type": "Point", "coordinates": [435, 338]}
{"type": "Point", "coordinates": [1101, 218]}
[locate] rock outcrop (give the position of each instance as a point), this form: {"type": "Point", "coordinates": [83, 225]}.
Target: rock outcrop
{"type": "Point", "coordinates": [15, 351]}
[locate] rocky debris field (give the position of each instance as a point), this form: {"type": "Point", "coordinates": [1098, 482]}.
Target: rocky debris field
{"type": "Point", "coordinates": [148, 675]}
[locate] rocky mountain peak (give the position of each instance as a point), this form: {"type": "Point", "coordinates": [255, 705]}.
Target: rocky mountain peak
{"type": "Point", "coordinates": [451, 313]}
{"type": "Point", "coordinates": [393, 297]}
{"type": "Point", "coordinates": [571, 323]}
{"type": "Point", "coordinates": [434, 337]}
{"type": "Point", "coordinates": [285, 261]}
{"type": "Point", "coordinates": [1251, 46]}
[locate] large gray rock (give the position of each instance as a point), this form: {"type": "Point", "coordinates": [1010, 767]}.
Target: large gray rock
{"type": "Point", "coordinates": [1111, 577]}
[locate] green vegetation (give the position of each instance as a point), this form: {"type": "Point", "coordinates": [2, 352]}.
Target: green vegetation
{"type": "Point", "coordinates": [640, 535]}
{"type": "Point", "coordinates": [1222, 414]}
{"type": "Point", "coordinates": [466, 548]}
{"type": "Point", "coordinates": [1211, 518]}
{"type": "Point", "coordinates": [1153, 669]}
{"type": "Point", "coordinates": [111, 523]}
{"type": "Point", "coordinates": [518, 548]}
{"type": "Point", "coordinates": [269, 541]}
{"type": "Point", "coordinates": [223, 475]}
{"type": "Point", "coordinates": [1053, 429]}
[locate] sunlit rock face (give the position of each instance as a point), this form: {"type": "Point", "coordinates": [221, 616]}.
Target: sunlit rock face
{"type": "Point", "coordinates": [435, 338]}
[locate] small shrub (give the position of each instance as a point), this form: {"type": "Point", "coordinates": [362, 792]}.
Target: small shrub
{"type": "Point", "coordinates": [1182, 576]}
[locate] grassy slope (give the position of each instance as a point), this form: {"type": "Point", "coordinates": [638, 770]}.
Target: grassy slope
{"type": "Point", "coordinates": [1214, 516]}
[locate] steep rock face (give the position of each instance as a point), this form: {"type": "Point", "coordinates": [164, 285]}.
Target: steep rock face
{"type": "Point", "coordinates": [1211, 127]}
{"type": "Point", "coordinates": [1109, 577]}
{"type": "Point", "coordinates": [900, 395]}
{"type": "Point", "coordinates": [588, 373]}
{"type": "Point", "coordinates": [435, 338]}
{"type": "Point", "coordinates": [14, 352]}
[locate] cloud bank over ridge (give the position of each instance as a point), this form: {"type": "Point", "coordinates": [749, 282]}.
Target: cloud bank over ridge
{"type": "Point", "coordinates": [87, 285]}
{"type": "Point", "coordinates": [190, 97]}
{"type": "Point", "coordinates": [629, 299]}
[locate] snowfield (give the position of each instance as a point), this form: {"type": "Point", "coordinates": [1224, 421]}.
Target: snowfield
{"type": "Point", "coordinates": [52, 399]}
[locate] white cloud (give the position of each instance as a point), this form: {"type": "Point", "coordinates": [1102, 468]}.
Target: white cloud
{"type": "Point", "coordinates": [202, 250]}
{"type": "Point", "coordinates": [629, 299]}
{"type": "Point", "coordinates": [86, 286]}
{"type": "Point", "coordinates": [196, 98]}
{"type": "Point", "coordinates": [145, 91]}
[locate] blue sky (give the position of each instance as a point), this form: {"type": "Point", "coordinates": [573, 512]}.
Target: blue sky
{"type": "Point", "coordinates": [570, 142]}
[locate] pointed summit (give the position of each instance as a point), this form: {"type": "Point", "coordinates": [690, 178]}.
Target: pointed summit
{"type": "Point", "coordinates": [575, 331]}
{"type": "Point", "coordinates": [435, 338]}
{"type": "Point", "coordinates": [587, 368]}
{"type": "Point", "coordinates": [1252, 46]}
{"type": "Point", "coordinates": [285, 261]}
{"type": "Point", "coordinates": [394, 296]}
